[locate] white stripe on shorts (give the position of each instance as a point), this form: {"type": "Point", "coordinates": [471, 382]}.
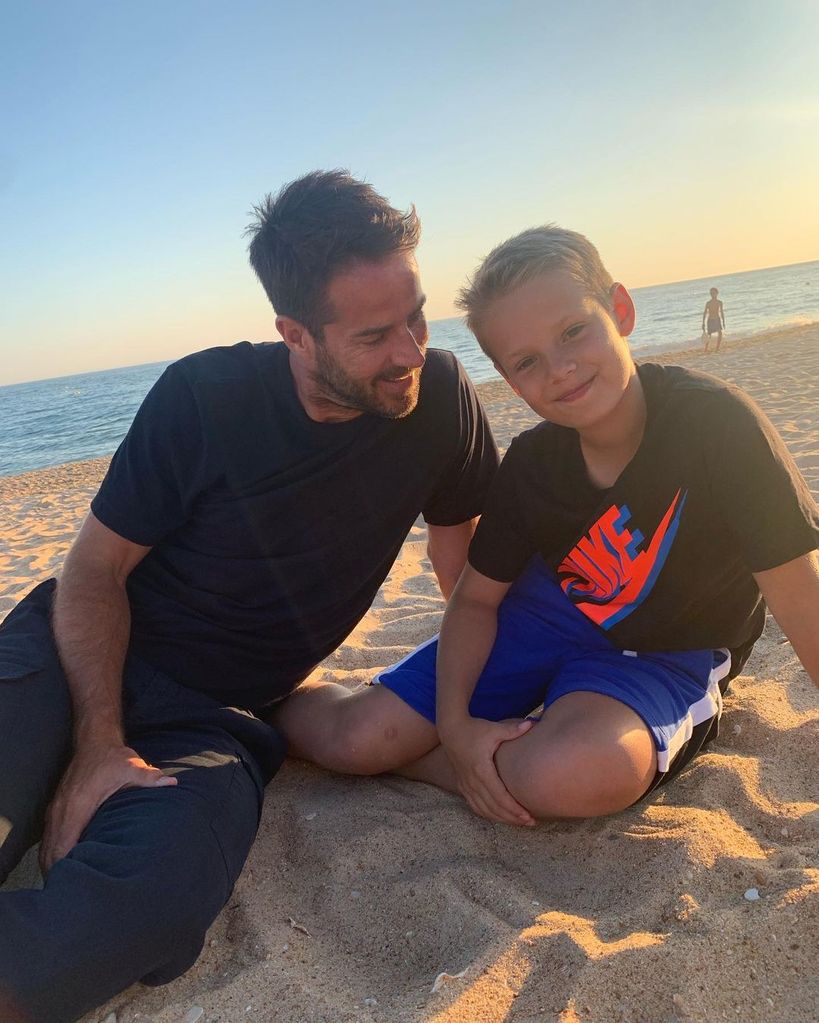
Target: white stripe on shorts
{"type": "Point", "coordinates": [708, 706]}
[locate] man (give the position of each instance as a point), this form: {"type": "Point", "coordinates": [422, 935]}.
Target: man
{"type": "Point", "coordinates": [714, 316]}
{"type": "Point", "coordinates": [242, 530]}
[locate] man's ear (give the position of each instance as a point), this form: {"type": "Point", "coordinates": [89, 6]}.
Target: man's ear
{"type": "Point", "coordinates": [622, 309]}
{"type": "Point", "coordinates": [295, 335]}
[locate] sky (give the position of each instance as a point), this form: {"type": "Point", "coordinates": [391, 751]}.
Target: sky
{"type": "Point", "coordinates": [682, 139]}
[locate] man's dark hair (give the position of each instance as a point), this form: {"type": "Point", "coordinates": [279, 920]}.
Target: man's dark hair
{"type": "Point", "coordinates": [316, 227]}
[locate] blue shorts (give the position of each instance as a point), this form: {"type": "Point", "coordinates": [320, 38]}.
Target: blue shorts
{"type": "Point", "coordinates": [546, 648]}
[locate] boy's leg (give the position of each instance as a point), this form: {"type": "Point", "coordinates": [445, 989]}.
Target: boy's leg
{"type": "Point", "coordinates": [369, 731]}
{"type": "Point", "coordinates": [390, 726]}
{"type": "Point", "coordinates": [133, 900]}
{"type": "Point", "coordinates": [588, 756]}
{"type": "Point", "coordinates": [615, 725]}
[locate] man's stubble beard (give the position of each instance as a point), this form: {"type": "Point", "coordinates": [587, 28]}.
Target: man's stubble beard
{"type": "Point", "coordinates": [338, 387]}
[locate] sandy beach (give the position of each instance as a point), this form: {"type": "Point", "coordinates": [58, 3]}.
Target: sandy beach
{"type": "Point", "coordinates": [361, 895]}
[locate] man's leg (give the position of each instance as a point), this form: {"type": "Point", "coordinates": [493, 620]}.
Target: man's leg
{"type": "Point", "coordinates": [35, 725]}
{"type": "Point", "coordinates": [134, 898]}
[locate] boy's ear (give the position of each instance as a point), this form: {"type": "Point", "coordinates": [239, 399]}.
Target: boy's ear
{"type": "Point", "coordinates": [623, 311]}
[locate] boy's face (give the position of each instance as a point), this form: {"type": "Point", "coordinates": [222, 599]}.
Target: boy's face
{"type": "Point", "coordinates": [561, 350]}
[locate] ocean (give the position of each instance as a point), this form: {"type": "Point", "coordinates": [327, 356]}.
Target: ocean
{"type": "Point", "coordinates": [64, 419]}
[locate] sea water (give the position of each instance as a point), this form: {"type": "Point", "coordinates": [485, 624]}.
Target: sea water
{"type": "Point", "coordinates": [47, 422]}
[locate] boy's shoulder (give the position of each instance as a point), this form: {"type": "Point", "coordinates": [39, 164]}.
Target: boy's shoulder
{"type": "Point", "coordinates": [673, 390]}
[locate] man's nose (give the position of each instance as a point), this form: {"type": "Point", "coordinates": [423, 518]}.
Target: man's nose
{"type": "Point", "coordinates": [408, 350]}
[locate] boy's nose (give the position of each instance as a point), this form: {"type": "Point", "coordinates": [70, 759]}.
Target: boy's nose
{"type": "Point", "coordinates": [561, 366]}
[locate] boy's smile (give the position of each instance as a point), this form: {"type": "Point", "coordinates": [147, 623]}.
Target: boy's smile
{"type": "Point", "coordinates": [565, 354]}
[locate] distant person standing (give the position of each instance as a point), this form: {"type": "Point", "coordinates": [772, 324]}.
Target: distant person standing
{"type": "Point", "coordinates": [714, 314]}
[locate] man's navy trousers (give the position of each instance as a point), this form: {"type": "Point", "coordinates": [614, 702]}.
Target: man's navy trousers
{"type": "Point", "coordinates": [134, 899]}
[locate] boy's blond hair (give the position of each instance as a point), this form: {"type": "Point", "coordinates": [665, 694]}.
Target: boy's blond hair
{"type": "Point", "coordinates": [531, 253]}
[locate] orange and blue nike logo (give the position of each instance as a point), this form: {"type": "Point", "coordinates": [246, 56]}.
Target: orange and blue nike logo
{"type": "Point", "coordinates": [607, 574]}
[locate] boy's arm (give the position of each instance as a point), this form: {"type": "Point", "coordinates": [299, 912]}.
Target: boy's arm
{"type": "Point", "coordinates": [467, 636]}
{"type": "Point", "coordinates": [791, 591]}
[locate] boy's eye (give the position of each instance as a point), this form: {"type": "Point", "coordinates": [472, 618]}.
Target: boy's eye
{"type": "Point", "coordinates": [573, 331]}
{"type": "Point", "coordinates": [525, 364]}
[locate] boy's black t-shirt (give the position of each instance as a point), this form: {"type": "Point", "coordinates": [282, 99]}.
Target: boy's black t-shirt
{"type": "Point", "coordinates": [271, 533]}
{"type": "Point", "coordinates": [663, 559]}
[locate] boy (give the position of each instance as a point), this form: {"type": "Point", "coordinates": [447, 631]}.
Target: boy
{"type": "Point", "coordinates": [714, 313]}
{"type": "Point", "coordinates": [617, 575]}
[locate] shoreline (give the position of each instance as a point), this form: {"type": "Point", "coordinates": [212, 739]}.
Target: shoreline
{"type": "Point", "coordinates": [66, 475]}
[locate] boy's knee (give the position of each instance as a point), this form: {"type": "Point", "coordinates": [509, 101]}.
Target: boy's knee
{"type": "Point", "coordinates": [374, 732]}
{"type": "Point", "coordinates": [573, 779]}
{"type": "Point", "coordinates": [354, 747]}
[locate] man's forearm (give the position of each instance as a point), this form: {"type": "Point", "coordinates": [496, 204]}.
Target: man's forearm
{"type": "Point", "coordinates": [447, 548]}
{"type": "Point", "coordinates": [92, 625]}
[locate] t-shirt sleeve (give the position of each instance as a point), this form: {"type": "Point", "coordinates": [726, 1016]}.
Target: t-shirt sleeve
{"type": "Point", "coordinates": [758, 489]}
{"type": "Point", "coordinates": [465, 482]}
{"type": "Point", "coordinates": [158, 471]}
{"type": "Point", "coordinates": [502, 544]}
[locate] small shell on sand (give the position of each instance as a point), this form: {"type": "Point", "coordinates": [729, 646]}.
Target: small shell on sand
{"type": "Point", "coordinates": [442, 978]}
{"type": "Point", "coordinates": [752, 894]}
{"type": "Point", "coordinates": [194, 1014]}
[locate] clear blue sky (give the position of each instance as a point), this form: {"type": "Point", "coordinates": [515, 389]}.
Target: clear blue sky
{"type": "Point", "coordinates": [136, 137]}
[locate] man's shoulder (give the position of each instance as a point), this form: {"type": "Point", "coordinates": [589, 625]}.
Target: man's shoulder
{"type": "Point", "coordinates": [243, 360]}
{"type": "Point", "coordinates": [441, 369]}
{"type": "Point", "coordinates": [445, 387]}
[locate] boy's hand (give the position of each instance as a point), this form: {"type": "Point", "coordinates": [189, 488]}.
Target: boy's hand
{"type": "Point", "coordinates": [471, 749]}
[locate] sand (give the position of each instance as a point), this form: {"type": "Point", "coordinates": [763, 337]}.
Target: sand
{"type": "Point", "coordinates": [359, 893]}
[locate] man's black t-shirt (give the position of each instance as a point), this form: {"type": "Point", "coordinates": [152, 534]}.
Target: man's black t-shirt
{"type": "Point", "coordinates": [271, 533]}
{"type": "Point", "coordinates": [663, 559]}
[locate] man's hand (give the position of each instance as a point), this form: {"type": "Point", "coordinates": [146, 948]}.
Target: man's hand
{"type": "Point", "coordinates": [94, 774]}
{"type": "Point", "coordinates": [471, 749]}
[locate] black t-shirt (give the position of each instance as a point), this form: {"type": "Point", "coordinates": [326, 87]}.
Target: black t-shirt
{"type": "Point", "coordinates": [663, 559]}
{"type": "Point", "coordinates": [271, 533]}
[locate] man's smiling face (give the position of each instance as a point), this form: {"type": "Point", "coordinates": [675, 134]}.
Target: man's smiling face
{"type": "Point", "coordinates": [373, 349]}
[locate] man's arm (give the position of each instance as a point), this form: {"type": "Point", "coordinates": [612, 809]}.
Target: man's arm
{"type": "Point", "coordinates": [791, 591]}
{"type": "Point", "coordinates": [447, 547]}
{"type": "Point", "coordinates": [92, 623]}
{"type": "Point", "coordinates": [722, 314]}
{"type": "Point", "coordinates": [467, 637]}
